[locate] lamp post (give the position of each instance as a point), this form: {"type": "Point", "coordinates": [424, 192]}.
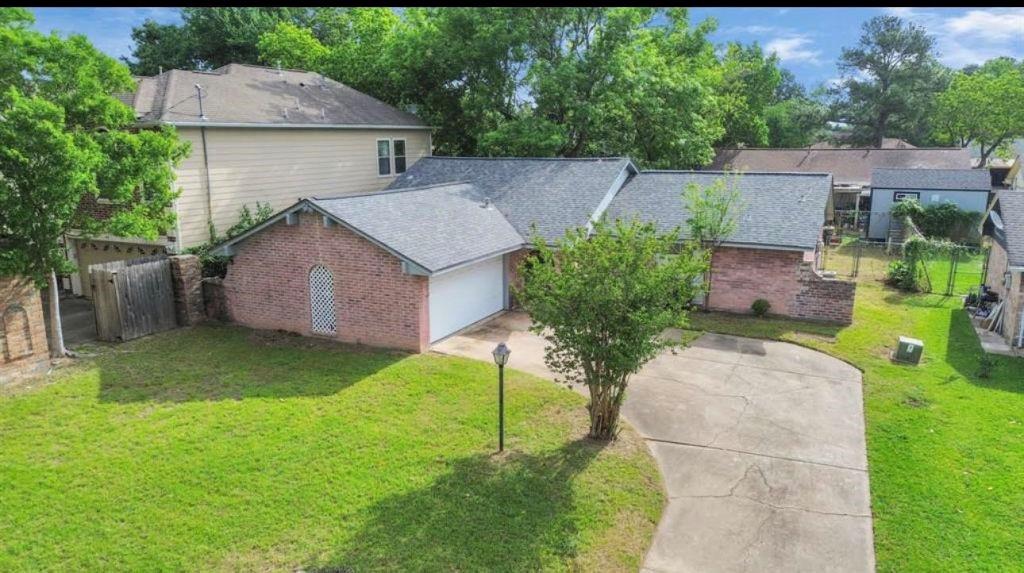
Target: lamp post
{"type": "Point", "coordinates": [500, 354]}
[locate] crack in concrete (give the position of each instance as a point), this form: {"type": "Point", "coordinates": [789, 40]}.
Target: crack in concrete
{"type": "Point", "coordinates": [772, 505]}
{"type": "Point", "coordinates": [720, 448]}
{"type": "Point", "coordinates": [756, 468]}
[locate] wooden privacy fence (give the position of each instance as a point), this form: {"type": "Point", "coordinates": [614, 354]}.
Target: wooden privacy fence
{"type": "Point", "coordinates": [132, 298]}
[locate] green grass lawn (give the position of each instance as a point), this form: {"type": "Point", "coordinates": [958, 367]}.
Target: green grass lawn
{"type": "Point", "coordinates": [945, 439]}
{"type": "Point", "coordinates": [217, 448]}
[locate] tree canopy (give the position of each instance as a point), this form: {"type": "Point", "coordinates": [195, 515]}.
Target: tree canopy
{"type": "Point", "coordinates": [63, 136]}
{"type": "Point", "coordinates": [890, 81]}
{"type": "Point", "coordinates": [543, 82]}
{"type": "Point", "coordinates": [983, 106]}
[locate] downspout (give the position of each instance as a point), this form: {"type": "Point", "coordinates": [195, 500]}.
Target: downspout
{"type": "Point", "coordinates": [206, 166]}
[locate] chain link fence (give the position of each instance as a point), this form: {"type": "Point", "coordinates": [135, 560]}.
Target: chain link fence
{"type": "Point", "coordinates": [955, 273]}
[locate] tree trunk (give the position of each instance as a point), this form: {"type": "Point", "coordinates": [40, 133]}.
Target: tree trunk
{"type": "Point", "coordinates": [707, 283]}
{"type": "Point", "coordinates": [57, 349]}
{"type": "Point", "coordinates": [604, 409]}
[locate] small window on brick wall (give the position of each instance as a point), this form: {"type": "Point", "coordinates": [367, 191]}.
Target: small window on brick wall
{"type": "Point", "coordinates": [321, 301]}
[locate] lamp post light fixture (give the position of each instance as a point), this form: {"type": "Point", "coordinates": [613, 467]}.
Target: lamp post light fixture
{"type": "Point", "coordinates": [501, 353]}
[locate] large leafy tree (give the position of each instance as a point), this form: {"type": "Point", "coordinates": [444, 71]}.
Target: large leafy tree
{"type": "Point", "coordinates": [208, 38]}
{"type": "Point", "coordinates": [64, 136]}
{"type": "Point", "coordinates": [602, 300]}
{"type": "Point", "coordinates": [983, 106]}
{"type": "Point", "coordinates": [890, 80]}
{"type": "Point", "coordinates": [551, 82]}
{"type": "Point", "coordinates": [750, 80]}
{"type": "Point", "coordinates": [794, 118]}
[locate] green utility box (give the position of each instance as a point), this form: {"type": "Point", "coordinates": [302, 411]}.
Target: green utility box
{"type": "Point", "coordinates": [909, 350]}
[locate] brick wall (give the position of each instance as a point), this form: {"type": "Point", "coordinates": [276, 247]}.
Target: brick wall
{"type": "Point", "coordinates": [214, 302]}
{"type": "Point", "coordinates": [741, 276]}
{"type": "Point", "coordinates": [784, 279]}
{"type": "Point", "coordinates": [823, 299]}
{"type": "Point", "coordinates": [23, 345]}
{"type": "Point", "coordinates": [186, 278]}
{"type": "Point", "coordinates": [267, 285]}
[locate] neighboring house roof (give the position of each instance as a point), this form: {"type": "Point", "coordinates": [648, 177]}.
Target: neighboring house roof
{"type": "Point", "coordinates": [932, 179]}
{"type": "Point", "coordinates": [254, 96]}
{"type": "Point", "coordinates": [848, 166]}
{"type": "Point", "coordinates": [1008, 227]}
{"type": "Point", "coordinates": [436, 227]}
{"type": "Point", "coordinates": [552, 194]}
{"type": "Point", "coordinates": [778, 209]}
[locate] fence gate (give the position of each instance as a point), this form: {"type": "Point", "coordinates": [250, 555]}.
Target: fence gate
{"type": "Point", "coordinates": [132, 298]}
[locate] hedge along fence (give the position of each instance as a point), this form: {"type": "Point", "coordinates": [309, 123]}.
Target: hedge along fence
{"type": "Point", "coordinates": [911, 271]}
{"type": "Point", "coordinates": [940, 220]}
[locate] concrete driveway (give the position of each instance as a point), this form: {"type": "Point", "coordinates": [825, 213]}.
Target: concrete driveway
{"type": "Point", "coordinates": [761, 445]}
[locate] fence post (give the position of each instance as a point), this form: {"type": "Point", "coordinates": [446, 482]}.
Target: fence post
{"type": "Point", "coordinates": [954, 258]}
{"type": "Point", "coordinates": [856, 258]}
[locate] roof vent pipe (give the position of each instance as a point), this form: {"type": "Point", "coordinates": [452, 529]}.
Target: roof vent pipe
{"type": "Point", "coordinates": [199, 95]}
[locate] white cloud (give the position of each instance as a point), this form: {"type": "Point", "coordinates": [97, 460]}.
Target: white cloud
{"type": "Point", "coordinates": [991, 25]}
{"type": "Point", "coordinates": [794, 49]}
{"type": "Point", "coordinates": [971, 37]}
{"type": "Point", "coordinates": [754, 30]}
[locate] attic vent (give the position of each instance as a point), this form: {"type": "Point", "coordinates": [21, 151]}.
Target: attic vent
{"type": "Point", "coordinates": [487, 203]}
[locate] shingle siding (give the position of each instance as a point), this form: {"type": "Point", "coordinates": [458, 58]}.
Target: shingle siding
{"type": "Point", "coordinates": [776, 209]}
{"type": "Point", "coordinates": [932, 179]}
{"type": "Point", "coordinates": [239, 93]}
{"type": "Point", "coordinates": [549, 195]}
{"type": "Point", "coordinates": [435, 227]}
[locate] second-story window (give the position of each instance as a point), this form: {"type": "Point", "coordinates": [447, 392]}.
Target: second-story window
{"type": "Point", "coordinates": [384, 157]}
{"type": "Point", "coordinates": [399, 156]}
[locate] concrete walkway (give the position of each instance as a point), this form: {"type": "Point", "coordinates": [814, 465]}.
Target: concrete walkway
{"type": "Point", "coordinates": [761, 445]}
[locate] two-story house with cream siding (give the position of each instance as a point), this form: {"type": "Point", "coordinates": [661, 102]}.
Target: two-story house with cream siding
{"type": "Point", "coordinates": [259, 135]}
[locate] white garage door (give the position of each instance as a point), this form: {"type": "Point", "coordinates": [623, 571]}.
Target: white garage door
{"type": "Point", "coordinates": [461, 297]}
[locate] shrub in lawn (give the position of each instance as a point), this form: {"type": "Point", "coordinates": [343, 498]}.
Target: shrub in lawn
{"type": "Point", "coordinates": [760, 307]}
{"type": "Point", "coordinates": [901, 275]}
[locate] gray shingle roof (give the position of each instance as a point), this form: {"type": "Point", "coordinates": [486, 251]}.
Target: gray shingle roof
{"type": "Point", "coordinates": [1011, 210]}
{"type": "Point", "coordinates": [553, 194]}
{"type": "Point", "coordinates": [436, 227]}
{"type": "Point", "coordinates": [849, 166]}
{"type": "Point", "coordinates": [778, 209]}
{"type": "Point", "coordinates": [245, 94]}
{"type": "Point", "coordinates": [937, 179]}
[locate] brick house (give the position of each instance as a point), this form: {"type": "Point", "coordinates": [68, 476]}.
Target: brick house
{"type": "Point", "coordinates": [438, 250]}
{"type": "Point", "coordinates": [257, 134]}
{"type": "Point", "coordinates": [1005, 226]}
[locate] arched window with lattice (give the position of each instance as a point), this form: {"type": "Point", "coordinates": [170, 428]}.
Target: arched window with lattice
{"type": "Point", "coordinates": [321, 301]}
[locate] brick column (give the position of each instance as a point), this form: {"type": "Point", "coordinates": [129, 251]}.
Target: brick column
{"type": "Point", "coordinates": [187, 279]}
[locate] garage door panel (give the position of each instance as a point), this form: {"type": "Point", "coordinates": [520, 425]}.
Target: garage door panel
{"type": "Point", "coordinates": [461, 297]}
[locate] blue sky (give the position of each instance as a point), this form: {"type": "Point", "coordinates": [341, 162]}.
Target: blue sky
{"type": "Point", "coordinates": [807, 40]}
